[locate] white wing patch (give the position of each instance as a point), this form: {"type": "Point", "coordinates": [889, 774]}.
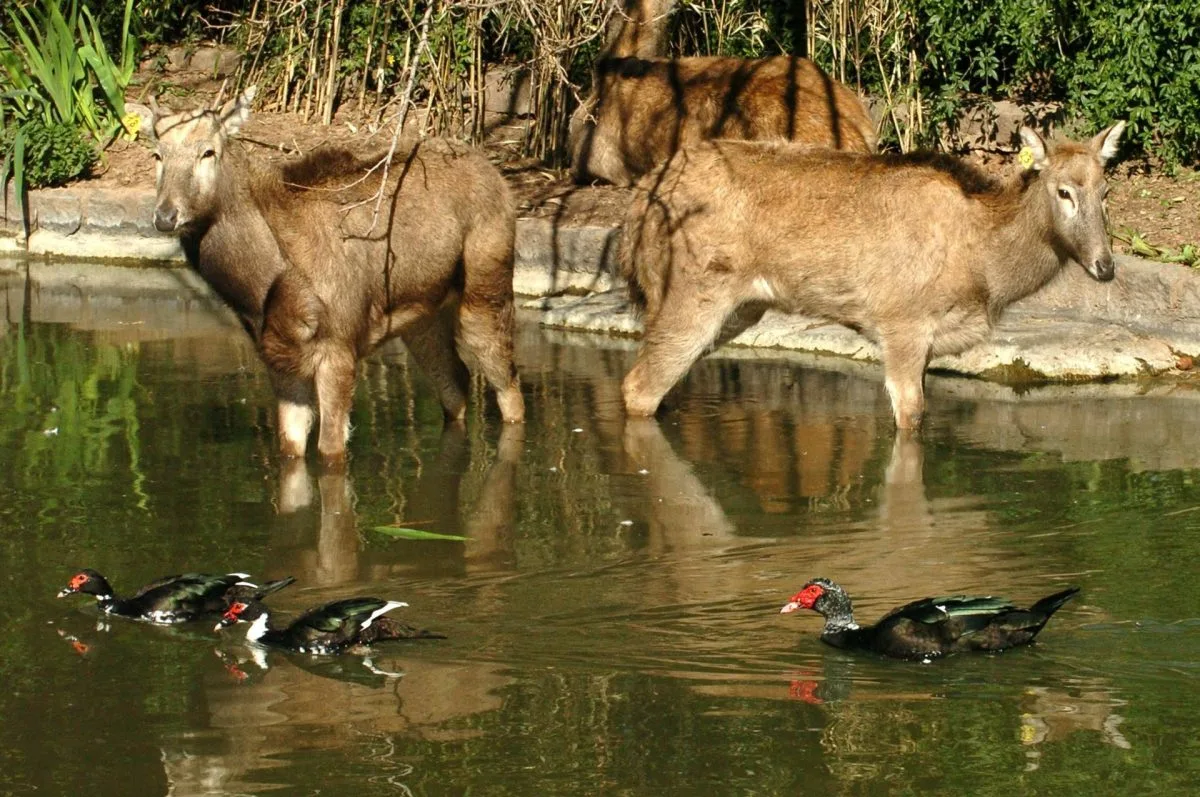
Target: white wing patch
{"type": "Point", "coordinates": [387, 607]}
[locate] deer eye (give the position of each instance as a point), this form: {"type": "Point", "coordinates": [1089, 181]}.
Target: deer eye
{"type": "Point", "coordinates": [157, 156]}
{"type": "Point", "coordinates": [208, 153]}
{"type": "Point", "coordinates": [1064, 193]}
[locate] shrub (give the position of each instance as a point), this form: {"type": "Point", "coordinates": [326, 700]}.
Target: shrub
{"type": "Point", "coordinates": [54, 152]}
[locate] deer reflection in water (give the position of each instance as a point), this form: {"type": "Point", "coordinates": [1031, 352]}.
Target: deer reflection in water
{"type": "Point", "coordinates": [285, 705]}
{"type": "Point", "coordinates": [335, 558]}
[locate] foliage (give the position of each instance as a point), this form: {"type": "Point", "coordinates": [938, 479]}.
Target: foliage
{"type": "Point", "coordinates": [924, 60]}
{"type": "Point", "coordinates": [1104, 60]}
{"type": "Point", "coordinates": [56, 67]}
{"type": "Point", "coordinates": [56, 71]}
{"type": "Point", "coordinates": [53, 152]}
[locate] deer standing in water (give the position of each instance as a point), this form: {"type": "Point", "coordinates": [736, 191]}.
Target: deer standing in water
{"type": "Point", "coordinates": [920, 252]}
{"type": "Point", "coordinates": [319, 281]}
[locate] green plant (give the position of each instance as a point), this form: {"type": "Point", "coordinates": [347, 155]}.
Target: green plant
{"type": "Point", "coordinates": [55, 69]}
{"type": "Point", "coordinates": [53, 152]}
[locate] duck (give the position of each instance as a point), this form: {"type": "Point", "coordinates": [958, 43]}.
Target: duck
{"type": "Point", "coordinates": [929, 628]}
{"type": "Point", "coordinates": [173, 599]}
{"type": "Point", "coordinates": [352, 623]}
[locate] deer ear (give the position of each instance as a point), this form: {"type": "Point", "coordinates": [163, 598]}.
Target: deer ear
{"type": "Point", "coordinates": [236, 112]}
{"type": "Point", "coordinates": [1036, 146]}
{"type": "Point", "coordinates": [1106, 142]}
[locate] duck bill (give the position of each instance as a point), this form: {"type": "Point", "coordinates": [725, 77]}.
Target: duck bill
{"type": "Point", "coordinates": [224, 622]}
{"type": "Point", "coordinates": [788, 608]}
{"type": "Point", "coordinates": [65, 591]}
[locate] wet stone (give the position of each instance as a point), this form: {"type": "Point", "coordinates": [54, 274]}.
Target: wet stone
{"type": "Point", "coordinates": [129, 212]}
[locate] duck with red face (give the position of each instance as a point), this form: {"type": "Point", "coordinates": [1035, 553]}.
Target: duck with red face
{"type": "Point", "coordinates": [329, 629]}
{"type": "Point", "coordinates": [172, 599]}
{"type": "Point", "coordinates": [928, 628]}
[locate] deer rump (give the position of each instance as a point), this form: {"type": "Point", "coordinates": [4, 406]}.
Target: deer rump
{"type": "Point", "coordinates": [920, 252]}
{"type": "Point", "coordinates": [643, 110]}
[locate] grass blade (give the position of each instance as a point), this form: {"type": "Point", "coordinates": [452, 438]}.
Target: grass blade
{"type": "Point", "coordinates": [417, 534]}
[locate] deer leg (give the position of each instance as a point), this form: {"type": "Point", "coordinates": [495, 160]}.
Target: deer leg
{"type": "Point", "coordinates": [335, 392]}
{"type": "Point", "coordinates": [430, 342]}
{"type": "Point", "coordinates": [295, 413]}
{"type": "Point", "coordinates": [485, 331]}
{"type": "Point", "coordinates": [485, 315]}
{"type": "Point", "coordinates": [905, 357]}
{"type": "Point", "coordinates": [687, 323]}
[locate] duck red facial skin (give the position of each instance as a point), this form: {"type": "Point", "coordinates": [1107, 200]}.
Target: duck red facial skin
{"type": "Point", "coordinates": [234, 612]}
{"type": "Point", "coordinates": [804, 599]}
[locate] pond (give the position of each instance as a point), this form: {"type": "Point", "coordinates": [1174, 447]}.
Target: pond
{"type": "Point", "coordinates": [612, 618]}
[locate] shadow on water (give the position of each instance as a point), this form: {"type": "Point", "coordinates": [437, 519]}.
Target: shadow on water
{"type": "Point", "coordinates": [612, 617]}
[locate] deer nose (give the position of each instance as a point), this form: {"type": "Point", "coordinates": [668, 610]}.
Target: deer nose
{"type": "Point", "coordinates": [1102, 268]}
{"type": "Point", "coordinates": [166, 219]}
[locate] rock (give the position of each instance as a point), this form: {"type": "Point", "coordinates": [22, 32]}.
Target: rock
{"type": "Point", "coordinates": [506, 91]}
{"type": "Point", "coordinates": [215, 61]}
{"type": "Point", "coordinates": [993, 125]}
{"type": "Point", "coordinates": [177, 59]}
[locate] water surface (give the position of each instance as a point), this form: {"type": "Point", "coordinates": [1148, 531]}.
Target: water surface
{"type": "Point", "coordinates": [612, 619]}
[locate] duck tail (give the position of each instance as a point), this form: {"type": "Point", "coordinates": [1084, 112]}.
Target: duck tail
{"type": "Point", "coordinates": [1052, 603]}
{"type": "Point", "coordinates": [273, 586]}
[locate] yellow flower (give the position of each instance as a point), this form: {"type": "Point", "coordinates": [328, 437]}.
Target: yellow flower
{"type": "Point", "coordinates": [1025, 158]}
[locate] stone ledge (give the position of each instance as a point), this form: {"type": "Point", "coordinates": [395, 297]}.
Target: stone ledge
{"type": "Point", "coordinates": [1073, 329]}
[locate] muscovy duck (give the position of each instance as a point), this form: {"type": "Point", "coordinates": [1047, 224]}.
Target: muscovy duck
{"type": "Point", "coordinates": [173, 599]}
{"type": "Point", "coordinates": [328, 629]}
{"type": "Point", "coordinates": [928, 628]}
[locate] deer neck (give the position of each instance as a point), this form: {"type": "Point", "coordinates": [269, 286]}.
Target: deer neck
{"type": "Point", "coordinates": [237, 253]}
{"type": "Point", "coordinates": [1025, 254]}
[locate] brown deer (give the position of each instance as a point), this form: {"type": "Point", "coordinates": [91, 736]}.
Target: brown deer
{"type": "Point", "coordinates": [920, 252]}
{"type": "Point", "coordinates": [643, 109]}
{"type": "Point", "coordinates": [319, 280]}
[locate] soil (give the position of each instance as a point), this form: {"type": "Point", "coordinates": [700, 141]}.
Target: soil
{"type": "Point", "coordinates": [1152, 212]}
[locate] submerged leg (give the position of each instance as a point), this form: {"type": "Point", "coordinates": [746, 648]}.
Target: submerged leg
{"type": "Point", "coordinates": [430, 342]}
{"type": "Point", "coordinates": [687, 323]}
{"type": "Point", "coordinates": [296, 413]}
{"type": "Point", "coordinates": [905, 357]}
{"type": "Point", "coordinates": [485, 331]}
{"type": "Point", "coordinates": [335, 393]}
{"type": "Point", "coordinates": [485, 316]}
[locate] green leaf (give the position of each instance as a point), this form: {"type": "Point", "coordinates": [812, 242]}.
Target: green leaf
{"type": "Point", "coordinates": [417, 534]}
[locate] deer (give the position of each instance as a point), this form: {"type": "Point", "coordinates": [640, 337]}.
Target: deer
{"type": "Point", "coordinates": [920, 252]}
{"type": "Point", "coordinates": [644, 107]}
{"type": "Point", "coordinates": [319, 278]}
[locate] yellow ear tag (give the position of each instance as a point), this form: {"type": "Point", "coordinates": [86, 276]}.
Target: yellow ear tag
{"type": "Point", "coordinates": [132, 124]}
{"type": "Point", "coordinates": [1025, 158]}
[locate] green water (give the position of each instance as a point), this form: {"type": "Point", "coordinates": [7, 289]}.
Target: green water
{"type": "Point", "coordinates": [612, 620]}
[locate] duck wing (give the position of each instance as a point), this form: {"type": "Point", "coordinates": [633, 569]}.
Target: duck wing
{"type": "Point", "coordinates": [182, 597]}
{"type": "Point", "coordinates": [339, 623]}
{"type": "Point", "coordinates": [936, 626]}
{"type": "Point", "coordinates": [938, 610]}
{"type": "Point", "coordinates": [160, 583]}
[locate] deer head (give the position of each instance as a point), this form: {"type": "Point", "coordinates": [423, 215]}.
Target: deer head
{"type": "Point", "coordinates": [1072, 174]}
{"type": "Point", "coordinates": [189, 152]}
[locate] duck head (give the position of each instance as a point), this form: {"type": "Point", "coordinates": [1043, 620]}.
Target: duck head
{"type": "Point", "coordinates": [241, 611]}
{"type": "Point", "coordinates": [89, 582]}
{"type": "Point", "coordinates": [826, 598]}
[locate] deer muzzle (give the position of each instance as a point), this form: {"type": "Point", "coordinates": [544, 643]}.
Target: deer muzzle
{"type": "Point", "coordinates": [166, 218]}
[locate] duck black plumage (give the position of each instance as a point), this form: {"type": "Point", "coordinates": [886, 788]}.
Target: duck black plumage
{"type": "Point", "coordinates": [931, 627]}
{"type": "Point", "coordinates": [332, 628]}
{"type": "Point", "coordinates": [172, 599]}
